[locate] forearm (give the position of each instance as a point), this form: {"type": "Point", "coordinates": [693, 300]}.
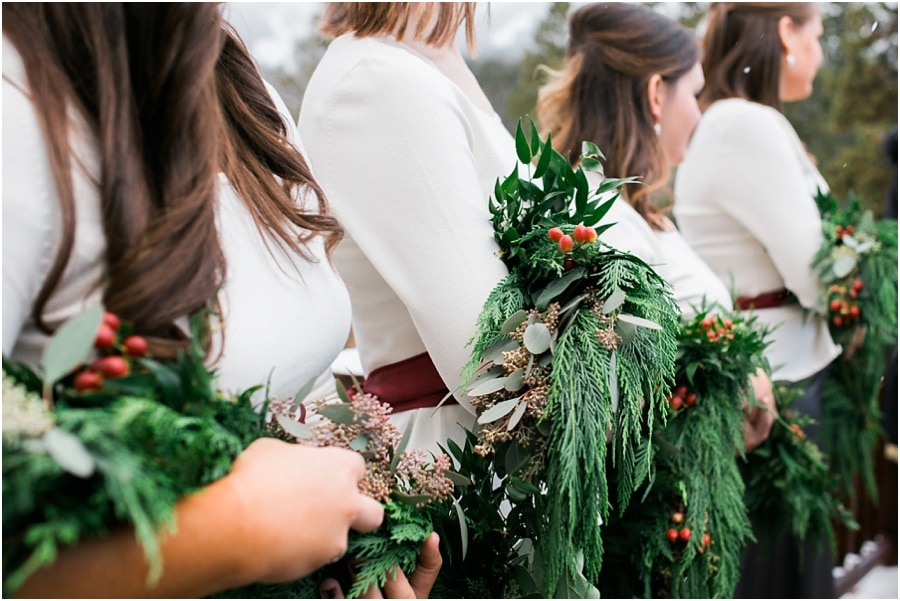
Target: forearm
{"type": "Point", "coordinates": [201, 557]}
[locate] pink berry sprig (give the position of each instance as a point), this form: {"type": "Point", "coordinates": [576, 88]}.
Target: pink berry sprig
{"type": "Point", "coordinates": [582, 234]}
{"type": "Point", "coordinates": [843, 307]}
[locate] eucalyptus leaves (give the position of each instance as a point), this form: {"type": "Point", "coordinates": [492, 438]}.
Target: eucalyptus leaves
{"type": "Point", "coordinates": [571, 364]}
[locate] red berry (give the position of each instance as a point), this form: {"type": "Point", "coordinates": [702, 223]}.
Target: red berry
{"type": "Point", "coordinates": [675, 402]}
{"type": "Point", "coordinates": [854, 293]}
{"type": "Point", "coordinates": [838, 322]}
{"type": "Point", "coordinates": [555, 234]}
{"type": "Point", "coordinates": [677, 517]}
{"type": "Point", "coordinates": [566, 243]}
{"type": "Point", "coordinates": [88, 380]}
{"type": "Point", "coordinates": [707, 322]}
{"type": "Point", "coordinates": [706, 540]}
{"type": "Point", "coordinates": [136, 346]}
{"type": "Point", "coordinates": [849, 230]}
{"type": "Point", "coordinates": [691, 399]}
{"type": "Point", "coordinates": [672, 535]}
{"type": "Point", "coordinates": [839, 231]}
{"type": "Point", "coordinates": [835, 306]}
{"type": "Point", "coordinates": [857, 285]}
{"type": "Point", "coordinates": [111, 319]}
{"type": "Point", "coordinates": [854, 311]}
{"type": "Point", "coordinates": [568, 264]}
{"type": "Point", "coordinates": [591, 235]}
{"type": "Point", "coordinates": [728, 323]}
{"type": "Point", "coordinates": [112, 367]}
{"type": "Point", "coordinates": [105, 338]}
{"type": "Point", "coordinates": [681, 390]}
{"type": "Point", "coordinates": [580, 233]}
{"type": "Point", "coordinates": [685, 534]}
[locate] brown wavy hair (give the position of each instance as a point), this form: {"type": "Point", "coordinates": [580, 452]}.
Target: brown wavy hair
{"type": "Point", "coordinates": [367, 19]}
{"type": "Point", "coordinates": [742, 50]}
{"type": "Point", "coordinates": [600, 94]}
{"type": "Point", "coordinates": [173, 99]}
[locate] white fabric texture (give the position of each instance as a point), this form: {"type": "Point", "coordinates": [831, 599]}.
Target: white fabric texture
{"type": "Point", "coordinates": [668, 253]}
{"type": "Point", "coordinates": [745, 202]}
{"type": "Point", "coordinates": [284, 321]}
{"type": "Point", "coordinates": [407, 163]}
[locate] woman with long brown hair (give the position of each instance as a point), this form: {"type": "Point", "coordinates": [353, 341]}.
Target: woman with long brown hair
{"type": "Point", "coordinates": [629, 85]}
{"type": "Point", "coordinates": [745, 200]}
{"type": "Point", "coordinates": [148, 168]}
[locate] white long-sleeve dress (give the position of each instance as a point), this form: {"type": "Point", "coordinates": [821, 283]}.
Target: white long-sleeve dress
{"type": "Point", "coordinates": [407, 161]}
{"type": "Point", "coordinates": [745, 203]}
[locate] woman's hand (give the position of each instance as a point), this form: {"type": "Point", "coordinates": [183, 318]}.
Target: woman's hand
{"type": "Point", "coordinates": [297, 504]}
{"type": "Point", "coordinates": [398, 586]}
{"type": "Point", "coordinates": [761, 416]}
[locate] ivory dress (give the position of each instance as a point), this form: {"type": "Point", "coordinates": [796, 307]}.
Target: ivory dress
{"type": "Point", "coordinates": [408, 161]}
{"type": "Point", "coordinates": [285, 320]}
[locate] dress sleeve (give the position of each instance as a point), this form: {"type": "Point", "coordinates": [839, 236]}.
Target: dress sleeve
{"type": "Point", "coordinates": [761, 184]}
{"type": "Point", "coordinates": [30, 211]}
{"type": "Point", "coordinates": [401, 170]}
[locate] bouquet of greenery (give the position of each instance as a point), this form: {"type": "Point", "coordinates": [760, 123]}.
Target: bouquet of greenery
{"type": "Point", "coordinates": [682, 537]}
{"type": "Point", "coordinates": [573, 356]}
{"type": "Point", "coordinates": [92, 444]}
{"type": "Point", "coordinates": [857, 270]}
{"type": "Point", "coordinates": [789, 485]}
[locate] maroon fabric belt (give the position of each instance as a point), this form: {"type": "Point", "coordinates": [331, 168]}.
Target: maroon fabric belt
{"type": "Point", "coordinates": [409, 384]}
{"type": "Point", "coordinates": [766, 300]}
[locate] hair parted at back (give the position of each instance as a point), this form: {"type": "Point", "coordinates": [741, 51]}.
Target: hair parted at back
{"type": "Point", "coordinates": [600, 94]}
{"type": "Point", "coordinates": [173, 99]}
{"type": "Point", "coordinates": [368, 19]}
{"type": "Point", "coordinates": [742, 50]}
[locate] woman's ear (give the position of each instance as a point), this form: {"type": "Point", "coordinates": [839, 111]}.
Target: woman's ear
{"type": "Point", "coordinates": [656, 95]}
{"type": "Point", "coordinates": [786, 33]}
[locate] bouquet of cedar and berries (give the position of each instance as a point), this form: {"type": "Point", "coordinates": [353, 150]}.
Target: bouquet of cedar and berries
{"type": "Point", "coordinates": [683, 535]}
{"type": "Point", "coordinates": [571, 364]}
{"type": "Point", "coordinates": [857, 270]}
{"type": "Point", "coordinates": [102, 435]}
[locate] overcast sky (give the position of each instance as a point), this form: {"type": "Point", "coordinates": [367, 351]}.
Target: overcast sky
{"type": "Point", "coordinates": [271, 28]}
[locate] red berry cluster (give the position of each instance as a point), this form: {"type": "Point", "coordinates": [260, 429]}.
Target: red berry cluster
{"type": "Point", "coordinates": [841, 230]}
{"type": "Point", "coordinates": [682, 398]}
{"type": "Point", "coordinates": [797, 432]}
{"type": "Point", "coordinates": [110, 365]}
{"type": "Point", "coordinates": [682, 533]}
{"type": "Point", "coordinates": [581, 235]}
{"type": "Point", "coordinates": [843, 305]}
{"type": "Point", "coordinates": [717, 328]}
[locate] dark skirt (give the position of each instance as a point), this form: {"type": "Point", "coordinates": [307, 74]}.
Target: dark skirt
{"type": "Point", "coordinates": [783, 568]}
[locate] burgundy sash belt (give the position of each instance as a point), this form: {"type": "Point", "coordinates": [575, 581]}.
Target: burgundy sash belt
{"type": "Point", "coordinates": [766, 300]}
{"type": "Point", "coordinates": [409, 384]}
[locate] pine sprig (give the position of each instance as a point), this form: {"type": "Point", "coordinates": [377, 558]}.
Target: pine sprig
{"type": "Point", "coordinates": [857, 270]}
{"type": "Point", "coordinates": [576, 345]}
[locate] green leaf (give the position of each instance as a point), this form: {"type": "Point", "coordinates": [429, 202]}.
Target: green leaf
{"type": "Point", "coordinates": [544, 160]}
{"type": "Point", "coordinates": [844, 265]}
{"type": "Point", "coordinates": [463, 527]}
{"type": "Point", "coordinates": [613, 383]}
{"type": "Point", "coordinates": [515, 381]}
{"type": "Point", "coordinates": [360, 443]}
{"type": "Point", "coordinates": [498, 411]}
{"type": "Point", "coordinates": [68, 451]}
{"type": "Point", "coordinates": [457, 478]}
{"type": "Point", "coordinates": [407, 434]}
{"type": "Point", "coordinates": [626, 331]}
{"type": "Point", "coordinates": [522, 148]}
{"type": "Point", "coordinates": [488, 387]}
{"type": "Point", "coordinates": [294, 428]}
{"type": "Point", "coordinates": [513, 321]}
{"type": "Point", "coordinates": [411, 499]}
{"type": "Point", "coordinates": [614, 301]}
{"type": "Point", "coordinates": [557, 287]}
{"type": "Point", "coordinates": [517, 416]}
{"type": "Point", "coordinates": [304, 392]}
{"type": "Point", "coordinates": [639, 321]}
{"type": "Point", "coordinates": [494, 353]}
{"type": "Point", "coordinates": [537, 338]}
{"type": "Point", "coordinates": [339, 413]}
{"type": "Point", "coordinates": [70, 345]}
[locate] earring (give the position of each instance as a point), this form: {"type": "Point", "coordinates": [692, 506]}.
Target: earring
{"type": "Point", "coordinates": [791, 60]}
{"type": "Point", "coordinates": [657, 128]}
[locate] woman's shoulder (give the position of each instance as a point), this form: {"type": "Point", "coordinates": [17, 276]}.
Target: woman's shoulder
{"type": "Point", "coordinates": [740, 115]}
{"type": "Point", "coordinates": [391, 60]}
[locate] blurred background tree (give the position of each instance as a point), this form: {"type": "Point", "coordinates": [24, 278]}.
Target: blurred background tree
{"type": "Point", "coordinates": [844, 123]}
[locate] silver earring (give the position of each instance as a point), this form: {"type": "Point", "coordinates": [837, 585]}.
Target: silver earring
{"type": "Point", "coordinates": [657, 128]}
{"type": "Point", "coordinates": [791, 60]}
